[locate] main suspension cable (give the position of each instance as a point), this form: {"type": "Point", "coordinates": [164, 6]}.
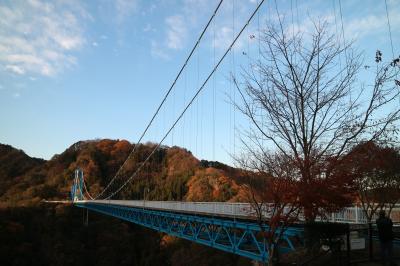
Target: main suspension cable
{"type": "Point", "coordinates": [190, 102]}
{"type": "Point", "coordinates": [213, 98]}
{"type": "Point", "coordinates": [85, 188]}
{"type": "Point", "coordinates": [390, 30]}
{"type": "Point", "coordinates": [344, 40]}
{"type": "Point", "coordinates": [165, 97]}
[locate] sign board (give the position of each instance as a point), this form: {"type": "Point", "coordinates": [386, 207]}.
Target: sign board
{"type": "Point", "coordinates": [355, 243]}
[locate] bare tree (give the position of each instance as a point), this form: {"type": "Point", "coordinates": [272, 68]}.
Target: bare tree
{"type": "Point", "coordinates": [273, 194]}
{"type": "Point", "coordinates": [303, 100]}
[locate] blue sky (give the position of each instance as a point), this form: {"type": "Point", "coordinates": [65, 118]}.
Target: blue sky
{"type": "Point", "coordinates": [76, 70]}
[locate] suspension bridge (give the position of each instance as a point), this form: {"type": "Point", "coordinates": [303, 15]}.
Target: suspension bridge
{"type": "Point", "coordinates": [231, 227]}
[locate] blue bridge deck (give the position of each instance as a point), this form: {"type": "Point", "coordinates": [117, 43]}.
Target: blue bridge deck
{"type": "Point", "coordinates": [235, 236]}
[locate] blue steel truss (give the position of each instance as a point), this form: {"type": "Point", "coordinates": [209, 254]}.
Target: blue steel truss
{"type": "Point", "coordinates": [238, 237]}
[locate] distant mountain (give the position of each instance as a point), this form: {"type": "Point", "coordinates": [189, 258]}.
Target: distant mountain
{"type": "Point", "coordinates": [13, 165]}
{"type": "Point", "coordinates": [37, 233]}
{"type": "Point", "coordinates": [172, 173]}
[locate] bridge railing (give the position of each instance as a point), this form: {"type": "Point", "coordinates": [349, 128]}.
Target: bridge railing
{"type": "Point", "coordinates": [353, 214]}
{"type": "Point", "coordinates": [210, 208]}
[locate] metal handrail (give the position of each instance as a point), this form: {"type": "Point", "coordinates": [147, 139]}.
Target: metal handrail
{"type": "Point", "coordinates": [353, 214]}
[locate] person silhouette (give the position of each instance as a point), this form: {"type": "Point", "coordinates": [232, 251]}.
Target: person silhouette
{"type": "Point", "coordinates": [385, 233]}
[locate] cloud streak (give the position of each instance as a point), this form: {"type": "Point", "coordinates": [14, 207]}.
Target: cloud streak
{"type": "Point", "coordinates": [176, 33]}
{"type": "Point", "coordinates": [125, 8]}
{"type": "Point", "coordinates": [40, 37]}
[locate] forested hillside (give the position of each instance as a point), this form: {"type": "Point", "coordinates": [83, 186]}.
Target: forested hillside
{"type": "Point", "coordinates": [36, 233]}
{"type": "Point", "coordinates": [13, 165]}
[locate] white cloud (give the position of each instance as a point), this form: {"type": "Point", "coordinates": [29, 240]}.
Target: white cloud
{"type": "Point", "coordinates": [152, 7]}
{"type": "Point", "coordinates": [369, 25]}
{"type": "Point", "coordinates": [41, 37]}
{"type": "Point", "coordinates": [223, 38]}
{"type": "Point", "coordinates": [176, 32]}
{"type": "Point", "coordinates": [359, 22]}
{"type": "Point", "coordinates": [95, 44]}
{"type": "Point", "coordinates": [157, 52]}
{"type": "Point", "coordinates": [148, 28]}
{"type": "Point", "coordinates": [16, 69]}
{"type": "Point", "coordinates": [177, 27]}
{"type": "Point", "coordinates": [197, 10]}
{"type": "Point", "coordinates": [187, 20]}
{"type": "Point", "coordinates": [125, 8]}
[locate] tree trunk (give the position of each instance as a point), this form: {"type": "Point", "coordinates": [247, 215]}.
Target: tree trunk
{"type": "Point", "coordinates": [271, 255]}
{"type": "Point", "coordinates": [371, 251]}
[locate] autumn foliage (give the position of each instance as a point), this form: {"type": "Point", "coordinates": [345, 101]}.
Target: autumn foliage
{"type": "Point", "coordinates": [376, 172]}
{"type": "Point", "coordinates": [43, 234]}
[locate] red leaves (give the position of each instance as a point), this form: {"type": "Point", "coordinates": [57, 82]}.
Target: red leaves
{"type": "Point", "coordinates": [376, 171]}
{"type": "Point", "coordinates": [369, 158]}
